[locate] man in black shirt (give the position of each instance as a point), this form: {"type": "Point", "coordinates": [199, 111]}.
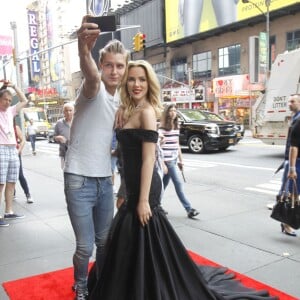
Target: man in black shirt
{"type": "Point", "coordinates": [293, 144]}
{"type": "Point", "coordinates": [294, 154]}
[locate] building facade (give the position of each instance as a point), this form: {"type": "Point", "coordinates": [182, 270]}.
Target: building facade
{"type": "Point", "coordinates": [207, 65]}
{"type": "Point", "coordinates": [49, 73]}
{"type": "Point", "coordinates": [200, 54]}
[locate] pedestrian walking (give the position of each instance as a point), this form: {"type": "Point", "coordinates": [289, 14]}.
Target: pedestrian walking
{"type": "Point", "coordinates": [290, 171]}
{"type": "Point", "coordinates": [294, 153]}
{"type": "Point", "coordinates": [169, 133]}
{"type": "Point", "coordinates": [31, 134]}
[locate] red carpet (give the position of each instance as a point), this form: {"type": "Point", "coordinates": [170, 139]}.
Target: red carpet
{"type": "Point", "coordinates": [57, 285]}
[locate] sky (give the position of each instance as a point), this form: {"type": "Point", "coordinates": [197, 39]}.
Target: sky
{"type": "Point", "coordinates": [12, 14]}
{"type": "Point", "coordinates": [15, 10]}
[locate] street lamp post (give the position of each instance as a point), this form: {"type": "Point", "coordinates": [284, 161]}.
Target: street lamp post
{"type": "Point", "coordinates": [267, 15]}
{"type": "Point", "coordinates": [13, 26]}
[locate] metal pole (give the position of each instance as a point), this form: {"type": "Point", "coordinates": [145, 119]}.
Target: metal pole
{"type": "Point", "coordinates": [13, 26]}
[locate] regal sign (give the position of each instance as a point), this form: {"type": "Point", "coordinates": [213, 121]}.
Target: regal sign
{"type": "Point", "coordinates": [34, 45]}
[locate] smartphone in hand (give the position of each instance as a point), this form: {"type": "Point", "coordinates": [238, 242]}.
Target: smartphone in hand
{"type": "Point", "coordinates": [105, 23]}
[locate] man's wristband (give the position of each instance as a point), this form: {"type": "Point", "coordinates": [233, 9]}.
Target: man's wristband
{"type": "Point", "coordinates": [292, 169]}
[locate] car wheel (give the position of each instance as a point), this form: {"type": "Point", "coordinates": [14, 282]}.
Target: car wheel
{"type": "Point", "coordinates": [195, 144]}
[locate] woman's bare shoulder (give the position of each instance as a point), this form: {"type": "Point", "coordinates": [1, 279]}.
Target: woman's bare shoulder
{"type": "Point", "coordinates": [148, 118]}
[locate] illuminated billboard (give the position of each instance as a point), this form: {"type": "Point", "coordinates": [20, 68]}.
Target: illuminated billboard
{"type": "Point", "coordinates": [187, 17]}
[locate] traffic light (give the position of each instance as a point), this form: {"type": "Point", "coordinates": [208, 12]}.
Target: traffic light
{"type": "Point", "coordinates": [139, 42]}
{"type": "Point", "coordinates": [142, 41]}
{"type": "Point", "coordinates": [135, 44]}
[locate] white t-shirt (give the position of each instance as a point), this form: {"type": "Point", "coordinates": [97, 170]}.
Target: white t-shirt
{"type": "Point", "coordinates": [91, 135]}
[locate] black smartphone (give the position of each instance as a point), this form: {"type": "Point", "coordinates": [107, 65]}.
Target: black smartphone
{"type": "Point", "coordinates": [105, 23]}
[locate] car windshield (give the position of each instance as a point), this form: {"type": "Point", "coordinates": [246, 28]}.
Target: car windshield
{"type": "Point", "coordinates": [37, 116]}
{"type": "Point", "coordinates": [193, 115]}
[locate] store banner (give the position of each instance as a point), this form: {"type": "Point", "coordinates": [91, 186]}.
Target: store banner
{"type": "Point", "coordinates": [34, 44]}
{"type": "Point", "coordinates": [5, 45]}
{"type": "Point", "coordinates": [236, 85]}
{"type": "Point", "coordinates": [188, 17]}
{"type": "Point", "coordinates": [184, 95]}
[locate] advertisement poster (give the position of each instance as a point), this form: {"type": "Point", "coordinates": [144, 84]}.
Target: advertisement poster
{"type": "Point", "coordinates": [188, 17]}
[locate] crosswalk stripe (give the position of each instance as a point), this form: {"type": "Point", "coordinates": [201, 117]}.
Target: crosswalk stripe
{"type": "Point", "coordinates": [275, 181]}
{"type": "Point", "coordinates": [202, 163]}
{"type": "Point", "coordinates": [269, 192]}
{"type": "Point", "coordinates": [269, 186]}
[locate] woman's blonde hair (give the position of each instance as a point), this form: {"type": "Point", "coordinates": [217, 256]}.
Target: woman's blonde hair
{"type": "Point", "coordinates": [153, 95]}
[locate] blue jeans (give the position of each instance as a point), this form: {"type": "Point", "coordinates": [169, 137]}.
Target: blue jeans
{"type": "Point", "coordinates": [178, 184]}
{"type": "Point", "coordinates": [90, 206]}
{"type": "Point", "coordinates": [32, 139]}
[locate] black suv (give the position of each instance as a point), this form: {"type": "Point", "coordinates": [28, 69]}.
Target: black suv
{"type": "Point", "coordinates": [203, 130]}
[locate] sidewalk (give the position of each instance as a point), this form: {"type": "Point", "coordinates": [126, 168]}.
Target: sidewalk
{"type": "Point", "coordinates": [236, 234]}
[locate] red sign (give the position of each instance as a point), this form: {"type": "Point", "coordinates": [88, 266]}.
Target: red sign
{"type": "Point", "coordinates": [46, 92]}
{"type": "Point", "coordinates": [5, 45]}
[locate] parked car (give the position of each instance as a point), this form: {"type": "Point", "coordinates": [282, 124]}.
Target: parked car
{"type": "Point", "coordinates": [202, 131]}
{"type": "Point", "coordinates": [50, 135]}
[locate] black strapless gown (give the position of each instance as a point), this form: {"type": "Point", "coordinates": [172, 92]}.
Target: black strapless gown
{"type": "Point", "coordinates": [151, 263]}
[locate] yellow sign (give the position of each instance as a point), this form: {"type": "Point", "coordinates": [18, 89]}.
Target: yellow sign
{"type": "Point", "coordinates": [46, 102]}
{"type": "Point", "coordinates": [188, 17]}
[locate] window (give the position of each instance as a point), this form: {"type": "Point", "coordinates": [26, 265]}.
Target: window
{"type": "Point", "coordinates": [230, 60]}
{"type": "Point", "coordinates": [179, 69]}
{"type": "Point", "coordinates": [293, 40]}
{"type": "Point", "coordinates": [160, 70]}
{"type": "Point", "coordinates": [202, 65]}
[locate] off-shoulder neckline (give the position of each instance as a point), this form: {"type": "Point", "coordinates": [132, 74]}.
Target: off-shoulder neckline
{"type": "Point", "coordinates": [140, 129]}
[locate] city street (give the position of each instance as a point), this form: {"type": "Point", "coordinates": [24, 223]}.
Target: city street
{"type": "Point", "coordinates": [230, 189]}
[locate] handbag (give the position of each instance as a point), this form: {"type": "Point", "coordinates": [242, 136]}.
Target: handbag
{"type": "Point", "coordinates": [287, 207]}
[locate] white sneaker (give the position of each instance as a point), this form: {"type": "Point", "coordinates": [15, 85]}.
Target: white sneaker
{"type": "Point", "coordinates": [270, 205]}
{"type": "Point", "coordinates": [29, 200]}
